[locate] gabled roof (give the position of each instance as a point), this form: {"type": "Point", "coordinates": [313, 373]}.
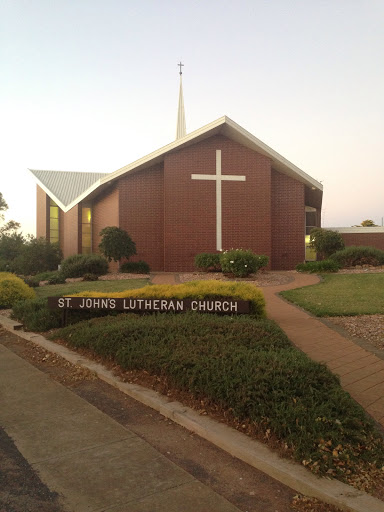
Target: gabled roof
{"type": "Point", "coordinates": [223, 126]}
{"type": "Point", "coordinates": [65, 187]}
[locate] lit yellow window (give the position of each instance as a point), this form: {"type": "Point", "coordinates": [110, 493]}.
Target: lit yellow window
{"type": "Point", "coordinates": [86, 230]}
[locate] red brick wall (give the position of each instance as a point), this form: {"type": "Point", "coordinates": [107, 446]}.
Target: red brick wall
{"type": "Point", "coordinates": [105, 212]}
{"type": "Point", "coordinates": [142, 213]}
{"type": "Point", "coordinates": [190, 205]}
{"type": "Point", "coordinates": [364, 239]}
{"type": "Point", "coordinates": [42, 213]}
{"type": "Point", "coordinates": [288, 222]}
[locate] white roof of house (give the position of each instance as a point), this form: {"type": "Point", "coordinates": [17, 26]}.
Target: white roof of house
{"type": "Point", "coordinates": [359, 229]}
{"type": "Point", "coordinates": [66, 193]}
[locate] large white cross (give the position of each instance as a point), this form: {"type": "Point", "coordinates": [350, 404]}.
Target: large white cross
{"type": "Point", "coordinates": [218, 177]}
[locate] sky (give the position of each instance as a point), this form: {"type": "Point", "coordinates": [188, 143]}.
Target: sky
{"type": "Point", "coordinates": [92, 85]}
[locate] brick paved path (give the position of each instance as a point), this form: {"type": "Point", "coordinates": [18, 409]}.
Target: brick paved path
{"type": "Point", "coordinates": [361, 372]}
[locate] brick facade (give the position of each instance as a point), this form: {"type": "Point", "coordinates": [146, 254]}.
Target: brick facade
{"type": "Point", "coordinates": [42, 213]}
{"type": "Point", "coordinates": [364, 239]}
{"type": "Point", "coordinates": [172, 217]}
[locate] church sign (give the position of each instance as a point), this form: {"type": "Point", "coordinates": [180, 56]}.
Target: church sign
{"type": "Point", "coordinates": [226, 306]}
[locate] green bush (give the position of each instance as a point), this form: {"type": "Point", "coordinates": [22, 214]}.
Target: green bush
{"type": "Point", "coordinates": [208, 262]}
{"type": "Point", "coordinates": [12, 290]}
{"type": "Point", "coordinates": [351, 256]}
{"type": "Point", "coordinates": [326, 242]}
{"type": "Point", "coordinates": [35, 315]}
{"type": "Point", "coordinates": [58, 278]}
{"type": "Point", "coordinates": [90, 277]}
{"type": "Point", "coordinates": [135, 267]}
{"type": "Point", "coordinates": [242, 263]}
{"type": "Point", "coordinates": [5, 265]}
{"type": "Point", "coordinates": [79, 264]}
{"type": "Point", "coordinates": [32, 281]}
{"type": "Point", "coordinates": [37, 255]}
{"type": "Point", "coordinates": [116, 244]}
{"type": "Point", "coordinates": [315, 267]}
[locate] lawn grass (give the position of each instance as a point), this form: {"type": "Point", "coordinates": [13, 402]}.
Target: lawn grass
{"type": "Point", "coordinates": [246, 367]}
{"type": "Point", "coordinates": [341, 295]}
{"type": "Point", "coordinates": [118, 285]}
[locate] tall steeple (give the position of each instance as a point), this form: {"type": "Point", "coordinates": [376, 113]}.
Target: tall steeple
{"type": "Point", "coordinates": [180, 129]}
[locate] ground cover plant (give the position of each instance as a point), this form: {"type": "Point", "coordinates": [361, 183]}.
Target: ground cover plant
{"type": "Point", "coordinates": [246, 367]}
{"type": "Point", "coordinates": [341, 295]}
{"type": "Point", "coordinates": [35, 315]}
{"type": "Point", "coordinates": [317, 267]}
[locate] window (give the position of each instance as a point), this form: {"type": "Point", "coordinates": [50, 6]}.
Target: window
{"type": "Point", "coordinates": [53, 222]}
{"type": "Point", "coordinates": [310, 223]}
{"type": "Point", "coordinates": [86, 230]}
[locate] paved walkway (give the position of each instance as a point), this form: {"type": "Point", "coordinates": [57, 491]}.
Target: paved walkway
{"type": "Point", "coordinates": [95, 463]}
{"type": "Point", "coordinates": [361, 371]}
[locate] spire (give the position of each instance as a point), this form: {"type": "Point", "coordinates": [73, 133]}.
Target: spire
{"type": "Point", "coordinates": [180, 129]}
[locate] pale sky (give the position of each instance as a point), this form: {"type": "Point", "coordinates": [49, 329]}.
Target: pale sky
{"type": "Point", "coordinates": [91, 85]}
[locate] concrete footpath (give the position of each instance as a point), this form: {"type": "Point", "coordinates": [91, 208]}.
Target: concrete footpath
{"type": "Point", "coordinates": [92, 461]}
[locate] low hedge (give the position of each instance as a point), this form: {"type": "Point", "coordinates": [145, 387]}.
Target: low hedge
{"type": "Point", "coordinates": [79, 264]}
{"type": "Point", "coordinates": [135, 267]}
{"type": "Point", "coordinates": [208, 262]}
{"type": "Point", "coordinates": [315, 267]}
{"type": "Point", "coordinates": [13, 289]}
{"type": "Point", "coordinates": [358, 255]}
{"type": "Point", "coordinates": [209, 289]}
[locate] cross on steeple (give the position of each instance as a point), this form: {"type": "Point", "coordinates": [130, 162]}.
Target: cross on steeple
{"type": "Point", "coordinates": [180, 65]}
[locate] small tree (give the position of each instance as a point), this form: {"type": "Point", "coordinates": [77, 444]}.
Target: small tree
{"type": "Point", "coordinates": [37, 255]}
{"type": "Point", "coordinates": [326, 242]}
{"type": "Point", "coordinates": [9, 226]}
{"type": "Point", "coordinates": [116, 244]}
{"type": "Point", "coordinates": [368, 223]}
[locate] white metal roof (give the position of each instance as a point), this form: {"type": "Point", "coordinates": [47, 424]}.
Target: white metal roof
{"type": "Point", "coordinates": [359, 229]}
{"type": "Point", "coordinates": [65, 187]}
{"type": "Point", "coordinates": [68, 189]}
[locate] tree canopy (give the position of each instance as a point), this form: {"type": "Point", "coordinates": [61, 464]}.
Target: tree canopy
{"type": "Point", "coordinates": [116, 244]}
{"type": "Point", "coordinates": [368, 223]}
{"type": "Point", "coordinates": [326, 242]}
{"type": "Point", "coordinates": [9, 226]}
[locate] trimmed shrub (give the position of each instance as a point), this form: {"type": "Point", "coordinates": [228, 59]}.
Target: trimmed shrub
{"type": "Point", "coordinates": [32, 281]}
{"type": "Point", "coordinates": [116, 244]}
{"type": "Point", "coordinates": [135, 267]}
{"type": "Point", "coordinates": [314, 267]}
{"type": "Point", "coordinates": [208, 262]}
{"type": "Point", "coordinates": [79, 264]}
{"type": "Point", "coordinates": [57, 279]}
{"type": "Point", "coordinates": [90, 277]}
{"type": "Point", "coordinates": [351, 256]}
{"type": "Point", "coordinates": [194, 290]}
{"type": "Point", "coordinates": [12, 290]}
{"type": "Point", "coordinates": [242, 263]}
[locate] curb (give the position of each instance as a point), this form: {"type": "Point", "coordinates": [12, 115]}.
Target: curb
{"type": "Point", "coordinates": [237, 444]}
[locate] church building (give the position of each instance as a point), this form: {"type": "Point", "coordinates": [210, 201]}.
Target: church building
{"type": "Point", "coordinates": [216, 188]}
